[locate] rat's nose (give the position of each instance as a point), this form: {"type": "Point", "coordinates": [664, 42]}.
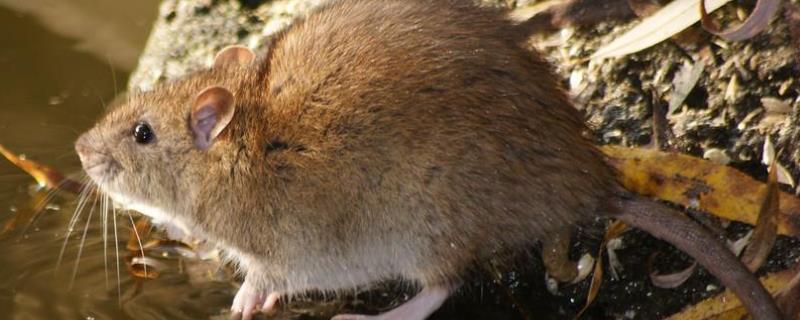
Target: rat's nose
{"type": "Point", "coordinates": [81, 148]}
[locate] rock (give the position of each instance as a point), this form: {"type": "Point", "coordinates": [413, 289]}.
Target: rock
{"type": "Point", "coordinates": [188, 33]}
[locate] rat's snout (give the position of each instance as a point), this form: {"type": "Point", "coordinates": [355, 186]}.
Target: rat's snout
{"type": "Point", "coordinates": [82, 148]}
{"type": "Point", "coordinates": [92, 158]}
{"type": "Point", "coordinates": [95, 158]}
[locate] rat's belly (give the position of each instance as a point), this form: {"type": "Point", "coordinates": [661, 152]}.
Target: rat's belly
{"type": "Point", "coordinates": [303, 270]}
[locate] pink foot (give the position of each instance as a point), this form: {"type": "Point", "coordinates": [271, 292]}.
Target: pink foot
{"type": "Point", "coordinates": [249, 301]}
{"type": "Point", "coordinates": [418, 308]}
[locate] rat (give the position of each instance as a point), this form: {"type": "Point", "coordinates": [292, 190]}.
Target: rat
{"type": "Point", "coordinates": [375, 140]}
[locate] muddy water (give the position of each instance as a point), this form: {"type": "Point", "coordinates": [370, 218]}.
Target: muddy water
{"type": "Point", "coordinates": [60, 62]}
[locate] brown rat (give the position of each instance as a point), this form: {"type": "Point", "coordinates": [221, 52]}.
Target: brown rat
{"type": "Point", "coordinates": [375, 140]}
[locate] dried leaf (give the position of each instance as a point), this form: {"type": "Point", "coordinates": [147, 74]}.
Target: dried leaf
{"type": "Point", "coordinates": [768, 152]}
{"type": "Point", "coordinates": [784, 177]}
{"type": "Point", "coordinates": [44, 175]}
{"type": "Point", "coordinates": [768, 156]}
{"type": "Point", "coordinates": [757, 22]}
{"type": "Point", "coordinates": [615, 230]}
{"type": "Point", "coordinates": [775, 105]}
{"type": "Point", "coordinates": [693, 182]}
{"type": "Point", "coordinates": [670, 20]}
{"type": "Point", "coordinates": [684, 82]}
{"type": "Point", "coordinates": [671, 280]}
{"type": "Point", "coordinates": [138, 265]}
{"type": "Point", "coordinates": [765, 231]}
{"type": "Point", "coordinates": [732, 91]}
{"type": "Point", "coordinates": [144, 267]}
{"type": "Point", "coordinates": [662, 133]}
{"type": "Point", "coordinates": [150, 262]}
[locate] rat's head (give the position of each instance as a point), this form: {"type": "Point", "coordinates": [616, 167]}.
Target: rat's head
{"type": "Point", "coordinates": [153, 152]}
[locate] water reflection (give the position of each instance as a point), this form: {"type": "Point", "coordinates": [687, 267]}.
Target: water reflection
{"type": "Point", "coordinates": [112, 30]}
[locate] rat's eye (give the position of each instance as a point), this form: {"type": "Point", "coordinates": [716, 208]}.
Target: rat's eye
{"type": "Point", "coordinates": [142, 133]}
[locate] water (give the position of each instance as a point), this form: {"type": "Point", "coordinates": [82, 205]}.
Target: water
{"type": "Point", "coordinates": [61, 62]}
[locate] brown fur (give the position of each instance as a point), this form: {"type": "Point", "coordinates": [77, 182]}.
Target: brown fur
{"type": "Point", "coordinates": [377, 139]}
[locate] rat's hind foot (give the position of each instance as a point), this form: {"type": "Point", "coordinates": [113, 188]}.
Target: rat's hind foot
{"type": "Point", "coordinates": [249, 301]}
{"type": "Point", "coordinates": [418, 308]}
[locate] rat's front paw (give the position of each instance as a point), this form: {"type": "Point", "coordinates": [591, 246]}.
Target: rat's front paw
{"type": "Point", "coordinates": [249, 301]}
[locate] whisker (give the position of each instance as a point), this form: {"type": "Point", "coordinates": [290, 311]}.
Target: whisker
{"type": "Point", "coordinates": [68, 153]}
{"type": "Point", "coordinates": [139, 240]}
{"type": "Point", "coordinates": [116, 248]}
{"type": "Point", "coordinates": [104, 207]}
{"type": "Point", "coordinates": [83, 197]}
{"type": "Point", "coordinates": [102, 101]}
{"type": "Point", "coordinates": [83, 242]}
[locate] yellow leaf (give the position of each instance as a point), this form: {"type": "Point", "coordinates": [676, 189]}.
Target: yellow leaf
{"type": "Point", "coordinates": [693, 182]}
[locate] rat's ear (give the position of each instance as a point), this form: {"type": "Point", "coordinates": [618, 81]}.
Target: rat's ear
{"type": "Point", "coordinates": [233, 56]}
{"type": "Point", "coordinates": [212, 111]}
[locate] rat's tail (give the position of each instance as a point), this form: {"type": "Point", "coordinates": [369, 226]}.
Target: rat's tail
{"type": "Point", "coordinates": [676, 228]}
